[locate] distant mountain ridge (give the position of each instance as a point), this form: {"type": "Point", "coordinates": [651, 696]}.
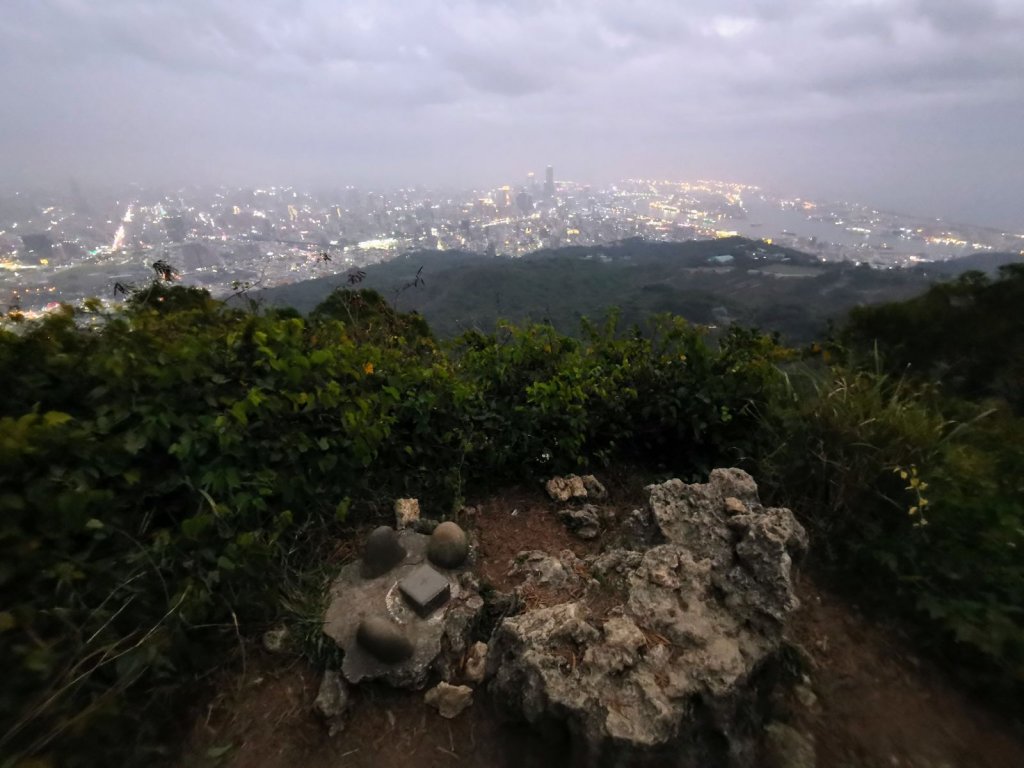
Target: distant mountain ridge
{"type": "Point", "coordinates": [713, 282]}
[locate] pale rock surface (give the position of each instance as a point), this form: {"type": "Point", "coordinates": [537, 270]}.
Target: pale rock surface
{"type": "Point", "coordinates": [407, 513]}
{"type": "Point", "coordinates": [566, 488]}
{"type": "Point", "coordinates": [439, 640]}
{"type": "Point", "coordinates": [449, 700]}
{"type": "Point", "coordinates": [672, 672]}
{"type": "Point", "coordinates": [475, 668]}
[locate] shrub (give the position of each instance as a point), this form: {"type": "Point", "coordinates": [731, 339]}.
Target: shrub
{"type": "Point", "coordinates": [916, 506]}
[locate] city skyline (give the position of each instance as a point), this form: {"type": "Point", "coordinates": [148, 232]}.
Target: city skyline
{"type": "Point", "coordinates": [67, 245]}
{"type": "Point", "coordinates": [914, 106]}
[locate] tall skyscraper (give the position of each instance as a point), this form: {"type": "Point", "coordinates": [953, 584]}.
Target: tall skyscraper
{"type": "Point", "coordinates": [549, 182]}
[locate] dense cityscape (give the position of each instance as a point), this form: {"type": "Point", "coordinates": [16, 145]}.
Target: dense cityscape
{"type": "Point", "coordinates": [71, 245]}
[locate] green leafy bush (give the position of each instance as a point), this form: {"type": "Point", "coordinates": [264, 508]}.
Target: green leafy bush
{"type": "Point", "coordinates": [915, 503]}
{"type": "Point", "coordinates": [967, 334]}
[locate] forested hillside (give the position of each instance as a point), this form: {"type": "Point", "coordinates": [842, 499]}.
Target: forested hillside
{"type": "Point", "coordinates": [711, 282]}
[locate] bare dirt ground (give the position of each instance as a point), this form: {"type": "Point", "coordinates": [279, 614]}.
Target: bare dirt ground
{"type": "Point", "coordinates": [876, 705]}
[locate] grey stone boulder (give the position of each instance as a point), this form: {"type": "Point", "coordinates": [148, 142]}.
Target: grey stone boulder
{"type": "Point", "coordinates": [384, 640]}
{"type": "Point", "coordinates": [673, 672]}
{"type": "Point", "coordinates": [332, 701]}
{"type": "Point", "coordinates": [450, 701]}
{"type": "Point", "coordinates": [538, 568]}
{"type": "Point", "coordinates": [449, 545]}
{"type": "Point", "coordinates": [583, 521]}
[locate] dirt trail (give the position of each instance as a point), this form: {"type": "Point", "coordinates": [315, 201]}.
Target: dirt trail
{"type": "Point", "coordinates": [875, 706]}
{"type": "Point", "coordinates": [880, 706]}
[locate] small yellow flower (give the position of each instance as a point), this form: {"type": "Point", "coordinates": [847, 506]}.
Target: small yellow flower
{"type": "Point", "coordinates": [368, 368]}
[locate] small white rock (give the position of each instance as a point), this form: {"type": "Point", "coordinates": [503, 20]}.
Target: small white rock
{"type": "Point", "coordinates": [276, 640]}
{"type": "Point", "coordinates": [565, 488]}
{"type": "Point", "coordinates": [407, 512]}
{"type": "Point", "coordinates": [449, 700]}
{"type": "Point", "coordinates": [476, 663]}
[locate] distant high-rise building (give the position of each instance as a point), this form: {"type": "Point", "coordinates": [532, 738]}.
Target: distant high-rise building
{"type": "Point", "coordinates": [525, 202]}
{"type": "Point", "coordinates": [549, 182]}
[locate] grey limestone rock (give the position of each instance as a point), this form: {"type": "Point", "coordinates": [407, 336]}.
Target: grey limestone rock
{"type": "Point", "coordinates": [439, 639]}
{"type": "Point", "coordinates": [332, 700]}
{"type": "Point", "coordinates": [584, 521]}
{"type": "Point", "coordinates": [676, 666]}
{"type": "Point", "coordinates": [541, 569]}
{"type": "Point", "coordinates": [595, 490]}
{"type": "Point", "coordinates": [449, 545]}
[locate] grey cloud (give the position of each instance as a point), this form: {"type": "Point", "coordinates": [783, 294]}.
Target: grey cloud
{"type": "Point", "coordinates": [470, 90]}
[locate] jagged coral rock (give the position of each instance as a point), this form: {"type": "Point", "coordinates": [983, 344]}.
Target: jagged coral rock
{"type": "Point", "coordinates": [566, 488]}
{"type": "Point", "coordinates": [678, 661]}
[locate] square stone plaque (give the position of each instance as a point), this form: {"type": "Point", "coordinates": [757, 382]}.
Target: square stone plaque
{"type": "Point", "coordinates": [425, 590]}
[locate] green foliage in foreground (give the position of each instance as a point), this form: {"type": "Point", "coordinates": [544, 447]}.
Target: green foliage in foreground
{"type": "Point", "coordinates": [915, 505]}
{"type": "Point", "coordinates": [167, 469]}
{"type": "Point", "coordinates": [169, 473]}
{"type": "Point", "coordinates": [907, 463]}
{"type": "Point", "coordinates": [968, 334]}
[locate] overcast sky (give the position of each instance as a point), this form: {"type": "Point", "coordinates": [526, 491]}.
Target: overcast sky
{"type": "Point", "coordinates": [912, 104]}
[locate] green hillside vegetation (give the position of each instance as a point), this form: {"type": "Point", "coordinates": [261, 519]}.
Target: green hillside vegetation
{"type": "Point", "coordinates": [173, 475]}
{"type": "Point", "coordinates": [968, 335]}
{"type": "Point", "coordinates": [711, 282]}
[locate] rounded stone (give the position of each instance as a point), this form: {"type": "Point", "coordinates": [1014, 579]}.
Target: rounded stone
{"type": "Point", "coordinates": [449, 545]}
{"type": "Point", "coordinates": [384, 640]}
{"type": "Point", "coordinates": [382, 552]}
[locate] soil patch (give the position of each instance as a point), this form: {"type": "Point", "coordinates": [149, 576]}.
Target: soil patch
{"type": "Point", "coordinates": [878, 705]}
{"type": "Point", "coordinates": [516, 521]}
{"type": "Point", "coordinates": [523, 519]}
{"type": "Point", "coordinates": [266, 720]}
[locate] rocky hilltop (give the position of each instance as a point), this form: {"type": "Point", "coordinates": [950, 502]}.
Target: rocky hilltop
{"type": "Point", "coordinates": [657, 647]}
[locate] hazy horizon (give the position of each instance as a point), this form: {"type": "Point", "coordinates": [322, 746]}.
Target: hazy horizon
{"type": "Point", "coordinates": [912, 105]}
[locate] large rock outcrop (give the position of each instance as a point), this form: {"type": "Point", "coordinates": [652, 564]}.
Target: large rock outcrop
{"type": "Point", "coordinates": [657, 654]}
